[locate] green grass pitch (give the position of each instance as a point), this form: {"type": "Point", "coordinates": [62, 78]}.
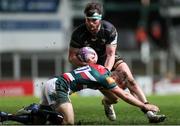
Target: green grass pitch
{"type": "Point", "coordinates": [89, 111]}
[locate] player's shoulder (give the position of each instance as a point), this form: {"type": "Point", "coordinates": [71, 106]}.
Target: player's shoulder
{"type": "Point", "coordinates": [107, 26]}
{"type": "Point", "coordinates": [80, 29]}
{"type": "Point", "coordinates": [99, 68]}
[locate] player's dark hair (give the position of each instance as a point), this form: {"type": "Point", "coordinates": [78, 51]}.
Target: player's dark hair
{"type": "Point", "coordinates": [93, 7]}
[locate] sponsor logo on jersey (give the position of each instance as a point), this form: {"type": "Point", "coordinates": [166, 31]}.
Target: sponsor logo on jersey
{"type": "Point", "coordinates": [110, 80]}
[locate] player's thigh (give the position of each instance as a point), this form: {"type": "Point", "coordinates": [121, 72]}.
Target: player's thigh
{"type": "Point", "coordinates": [121, 65]}
{"type": "Point", "coordinates": [68, 112]}
{"type": "Point", "coordinates": [109, 95]}
{"type": "Point", "coordinates": [124, 67]}
{"type": "Point", "coordinates": [48, 90]}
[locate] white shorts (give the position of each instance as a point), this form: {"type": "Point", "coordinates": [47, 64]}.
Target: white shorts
{"type": "Point", "coordinates": [48, 92]}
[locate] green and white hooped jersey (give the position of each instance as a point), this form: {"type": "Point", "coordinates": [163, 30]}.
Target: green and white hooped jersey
{"type": "Point", "coordinates": [92, 76]}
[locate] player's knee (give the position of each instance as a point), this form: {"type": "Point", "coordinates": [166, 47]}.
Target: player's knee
{"type": "Point", "coordinates": [132, 82]}
{"type": "Point", "coordinates": [117, 64]}
{"type": "Point", "coordinates": [112, 100]}
{"type": "Point", "coordinates": [68, 121]}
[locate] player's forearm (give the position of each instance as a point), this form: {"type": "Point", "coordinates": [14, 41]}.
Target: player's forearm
{"type": "Point", "coordinates": [72, 57]}
{"type": "Point", "coordinates": [110, 52]}
{"type": "Point", "coordinates": [109, 62]}
{"type": "Point", "coordinates": [127, 97]}
{"type": "Point", "coordinates": [132, 100]}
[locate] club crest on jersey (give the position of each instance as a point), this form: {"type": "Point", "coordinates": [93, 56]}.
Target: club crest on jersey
{"type": "Point", "coordinates": [103, 40]}
{"type": "Point", "coordinates": [86, 43]}
{"type": "Point", "coordinates": [110, 80]}
{"type": "Point", "coordinates": [93, 39]}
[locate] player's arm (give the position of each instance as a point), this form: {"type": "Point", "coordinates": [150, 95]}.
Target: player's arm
{"type": "Point", "coordinates": [73, 59]}
{"type": "Point", "coordinates": [110, 51]}
{"type": "Point", "coordinates": [132, 100]}
{"type": "Point", "coordinates": [74, 46]}
{"type": "Point", "coordinates": [109, 83]}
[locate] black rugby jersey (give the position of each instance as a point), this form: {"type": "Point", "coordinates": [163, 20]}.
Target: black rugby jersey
{"type": "Point", "coordinates": [81, 37]}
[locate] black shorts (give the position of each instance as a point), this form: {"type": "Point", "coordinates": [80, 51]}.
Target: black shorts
{"type": "Point", "coordinates": [118, 60]}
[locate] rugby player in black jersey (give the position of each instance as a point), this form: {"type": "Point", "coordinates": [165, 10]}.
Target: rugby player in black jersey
{"type": "Point", "coordinates": [102, 36]}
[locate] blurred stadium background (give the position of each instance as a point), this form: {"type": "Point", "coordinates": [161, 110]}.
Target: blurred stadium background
{"type": "Point", "coordinates": [34, 38]}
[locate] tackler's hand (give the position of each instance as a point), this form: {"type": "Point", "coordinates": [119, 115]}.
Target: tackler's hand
{"type": "Point", "coordinates": [151, 107]}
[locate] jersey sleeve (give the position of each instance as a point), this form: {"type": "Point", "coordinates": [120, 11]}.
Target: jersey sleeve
{"type": "Point", "coordinates": [110, 33]}
{"type": "Point", "coordinates": [107, 82]}
{"type": "Point", "coordinates": [77, 36]}
{"type": "Point", "coordinates": [113, 37]}
{"type": "Point", "coordinates": [75, 42]}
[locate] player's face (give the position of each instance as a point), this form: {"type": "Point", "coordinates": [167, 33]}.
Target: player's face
{"type": "Point", "coordinates": [92, 58]}
{"type": "Point", "coordinates": [93, 25]}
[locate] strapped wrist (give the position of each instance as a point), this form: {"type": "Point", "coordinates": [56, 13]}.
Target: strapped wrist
{"type": "Point", "coordinates": [144, 110]}
{"type": "Point", "coordinates": [146, 102]}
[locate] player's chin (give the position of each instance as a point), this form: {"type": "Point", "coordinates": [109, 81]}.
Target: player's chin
{"type": "Point", "coordinates": [95, 59]}
{"type": "Point", "coordinates": [92, 61]}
